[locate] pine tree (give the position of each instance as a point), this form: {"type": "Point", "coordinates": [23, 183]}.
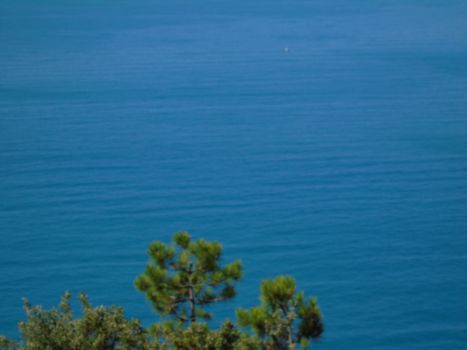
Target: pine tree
{"type": "Point", "coordinates": [98, 328]}
{"type": "Point", "coordinates": [285, 319]}
{"type": "Point", "coordinates": [184, 277]}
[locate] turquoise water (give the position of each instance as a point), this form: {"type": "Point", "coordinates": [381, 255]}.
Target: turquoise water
{"type": "Point", "coordinates": [341, 161]}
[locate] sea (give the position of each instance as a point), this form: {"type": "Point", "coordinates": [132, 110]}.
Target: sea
{"type": "Point", "coordinates": [326, 140]}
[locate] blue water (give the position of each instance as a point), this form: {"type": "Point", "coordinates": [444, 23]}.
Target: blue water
{"type": "Point", "coordinates": [342, 161]}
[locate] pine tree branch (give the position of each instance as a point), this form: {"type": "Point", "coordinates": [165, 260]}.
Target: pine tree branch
{"type": "Point", "coordinates": [210, 301]}
{"type": "Point", "coordinates": [178, 317]}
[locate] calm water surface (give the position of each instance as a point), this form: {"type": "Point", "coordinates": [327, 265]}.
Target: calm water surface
{"type": "Point", "coordinates": [342, 160]}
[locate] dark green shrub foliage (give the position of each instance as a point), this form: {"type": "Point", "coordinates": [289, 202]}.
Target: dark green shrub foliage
{"type": "Point", "coordinates": [99, 328]}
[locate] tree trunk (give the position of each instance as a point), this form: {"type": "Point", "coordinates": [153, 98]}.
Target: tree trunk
{"type": "Point", "coordinates": [290, 340]}
{"type": "Point", "coordinates": [286, 312]}
{"type": "Point", "coordinates": [191, 296]}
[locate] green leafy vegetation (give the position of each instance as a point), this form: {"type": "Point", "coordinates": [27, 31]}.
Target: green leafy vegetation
{"type": "Point", "coordinates": [181, 280]}
{"type": "Point", "coordinates": [98, 328]}
{"type": "Point", "coordinates": [285, 319]}
{"type": "Point", "coordinates": [186, 276]}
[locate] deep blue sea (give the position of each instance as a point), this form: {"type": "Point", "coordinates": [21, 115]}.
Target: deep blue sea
{"type": "Point", "coordinates": [322, 139]}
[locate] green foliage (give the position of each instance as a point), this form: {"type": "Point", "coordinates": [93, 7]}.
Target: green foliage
{"type": "Point", "coordinates": [285, 320]}
{"type": "Point", "coordinates": [180, 280]}
{"type": "Point", "coordinates": [198, 336]}
{"type": "Point", "coordinates": [184, 277]}
{"type": "Point", "coordinates": [7, 344]}
{"type": "Point", "coordinates": [99, 328]}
